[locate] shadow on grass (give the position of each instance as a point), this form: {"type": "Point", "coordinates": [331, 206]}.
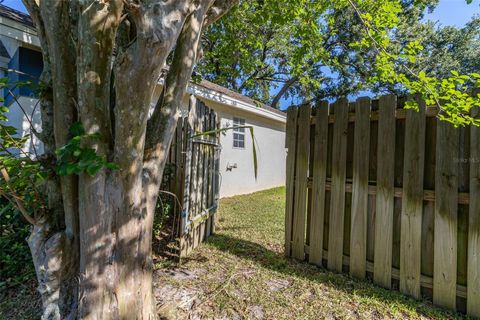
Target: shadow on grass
{"type": "Point", "coordinates": [276, 261]}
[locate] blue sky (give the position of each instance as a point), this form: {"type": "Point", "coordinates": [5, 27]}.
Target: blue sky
{"type": "Point", "coordinates": [15, 4]}
{"type": "Point", "coordinates": [454, 12]}
{"type": "Point", "coordinates": [448, 12]}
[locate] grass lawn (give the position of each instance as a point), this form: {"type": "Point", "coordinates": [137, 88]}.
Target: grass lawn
{"type": "Point", "coordinates": [241, 273]}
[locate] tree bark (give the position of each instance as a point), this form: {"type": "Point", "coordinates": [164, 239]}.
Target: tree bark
{"type": "Point", "coordinates": [54, 239]}
{"type": "Point", "coordinates": [94, 260]}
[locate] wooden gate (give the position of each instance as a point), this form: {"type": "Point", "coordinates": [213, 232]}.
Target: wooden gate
{"type": "Point", "coordinates": [389, 194]}
{"type": "Point", "coordinates": [195, 156]}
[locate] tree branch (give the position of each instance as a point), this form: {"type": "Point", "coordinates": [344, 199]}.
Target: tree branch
{"type": "Point", "coordinates": [283, 90]}
{"type": "Point", "coordinates": [137, 70]}
{"type": "Point", "coordinates": [163, 122]}
{"type": "Point", "coordinates": [218, 10]}
{"type": "Point", "coordinates": [16, 199]}
{"type": "Point", "coordinates": [380, 48]}
{"type": "Point", "coordinates": [177, 79]}
{"type": "Point", "coordinates": [94, 68]}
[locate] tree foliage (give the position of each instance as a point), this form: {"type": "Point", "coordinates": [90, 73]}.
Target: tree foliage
{"type": "Point", "coordinates": [74, 158]}
{"type": "Point", "coordinates": [339, 48]}
{"type": "Point", "coordinates": [21, 173]}
{"type": "Point", "coordinates": [454, 95]}
{"type": "Point", "coordinates": [444, 48]}
{"type": "Point", "coordinates": [310, 53]}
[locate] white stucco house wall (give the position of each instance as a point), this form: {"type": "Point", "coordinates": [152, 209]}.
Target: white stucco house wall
{"type": "Point", "coordinates": [19, 41]}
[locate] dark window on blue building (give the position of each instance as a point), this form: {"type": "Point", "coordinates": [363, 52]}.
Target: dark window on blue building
{"type": "Point", "coordinates": [30, 64]}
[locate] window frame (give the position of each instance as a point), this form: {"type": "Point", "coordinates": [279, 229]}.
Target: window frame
{"type": "Point", "coordinates": [239, 132]}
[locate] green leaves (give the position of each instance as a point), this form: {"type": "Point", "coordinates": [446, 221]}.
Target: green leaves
{"type": "Point", "coordinates": [449, 93]}
{"type": "Point", "coordinates": [334, 48]}
{"type": "Point", "coordinates": [411, 104]}
{"type": "Point", "coordinates": [75, 158]}
{"type": "Point", "coordinates": [77, 130]}
{"type": "Point", "coordinates": [21, 174]}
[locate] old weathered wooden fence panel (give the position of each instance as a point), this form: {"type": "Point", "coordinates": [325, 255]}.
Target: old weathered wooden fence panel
{"type": "Point", "coordinates": [473, 273]}
{"type": "Point", "coordinates": [301, 170]}
{"type": "Point", "coordinates": [388, 194]}
{"type": "Point", "coordinates": [337, 202]}
{"type": "Point", "coordinates": [446, 194]}
{"type": "Point", "coordinates": [319, 181]}
{"type": "Point", "coordinates": [291, 145]}
{"type": "Point", "coordinates": [195, 184]}
{"type": "Point", "coordinates": [358, 228]}
{"type": "Point", "coordinates": [385, 192]}
{"type": "Point", "coordinates": [412, 201]}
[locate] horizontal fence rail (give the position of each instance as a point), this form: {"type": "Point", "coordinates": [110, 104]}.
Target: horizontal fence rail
{"type": "Point", "coordinates": [386, 193]}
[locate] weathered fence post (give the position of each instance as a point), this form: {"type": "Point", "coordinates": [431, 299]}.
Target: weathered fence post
{"type": "Point", "coordinates": [473, 270]}
{"type": "Point", "coordinates": [291, 144]}
{"type": "Point", "coordinates": [337, 202]}
{"type": "Point", "coordinates": [301, 174]}
{"type": "Point", "coordinates": [358, 227]}
{"type": "Point", "coordinates": [318, 183]}
{"type": "Point", "coordinates": [446, 203]}
{"type": "Point", "coordinates": [382, 272]}
{"type": "Point", "coordinates": [412, 205]}
{"type": "Point", "coordinates": [200, 177]}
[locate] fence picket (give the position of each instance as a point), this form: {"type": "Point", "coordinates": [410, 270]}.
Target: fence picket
{"type": "Point", "coordinates": [211, 150]}
{"type": "Point", "coordinates": [216, 160]}
{"type": "Point", "coordinates": [337, 202]}
{"type": "Point", "coordinates": [194, 165]}
{"type": "Point", "coordinates": [462, 209]}
{"type": "Point", "coordinates": [291, 135]}
{"type": "Point", "coordinates": [429, 206]}
{"type": "Point", "coordinates": [398, 182]}
{"type": "Point", "coordinates": [372, 176]}
{"type": "Point", "coordinates": [358, 235]}
{"type": "Point", "coordinates": [205, 161]}
{"type": "Point", "coordinates": [318, 188]}
{"type": "Point", "coordinates": [179, 172]}
{"type": "Point", "coordinates": [383, 242]}
{"type": "Point", "coordinates": [198, 128]}
{"type": "Point", "coordinates": [412, 202]}
{"type": "Point", "coordinates": [445, 234]}
{"type": "Point", "coordinates": [473, 273]}
{"type": "Point", "coordinates": [301, 174]}
{"type": "Point", "coordinates": [187, 180]}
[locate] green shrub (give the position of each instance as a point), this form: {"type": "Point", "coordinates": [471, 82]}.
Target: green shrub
{"type": "Point", "coordinates": [15, 261]}
{"type": "Point", "coordinates": [21, 178]}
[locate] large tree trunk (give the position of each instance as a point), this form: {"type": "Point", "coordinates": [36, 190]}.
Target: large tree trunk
{"type": "Point", "coordinates": [92, 250]}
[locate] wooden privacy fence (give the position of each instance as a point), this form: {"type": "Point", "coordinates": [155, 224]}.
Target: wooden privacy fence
{"type": "Point", "coordinates": [195, 184]}
{"type": "Point", "coordinates": [386, 193]}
